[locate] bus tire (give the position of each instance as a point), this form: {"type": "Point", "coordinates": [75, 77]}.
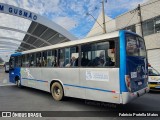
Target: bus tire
{"type": "Point", "coordinates": [57, 91]}
{"type": "Point", "coordinates": [18, 83]}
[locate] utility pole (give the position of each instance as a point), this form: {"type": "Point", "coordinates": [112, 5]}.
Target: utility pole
{"type": "Point", "coordinates": [140, 19]}
{"type": "Point", "coordinates": [103, 15]}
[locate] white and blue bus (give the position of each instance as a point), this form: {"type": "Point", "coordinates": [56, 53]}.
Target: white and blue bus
{"type": "Point", "coordinates": [110, 68]}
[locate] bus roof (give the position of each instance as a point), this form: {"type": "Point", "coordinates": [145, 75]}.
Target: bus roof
{"type": "Point", "coordinates": [16, 54]}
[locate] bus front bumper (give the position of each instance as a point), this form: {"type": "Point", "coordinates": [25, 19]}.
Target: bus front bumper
{"type": "Point", "coordinates": [128, 96]}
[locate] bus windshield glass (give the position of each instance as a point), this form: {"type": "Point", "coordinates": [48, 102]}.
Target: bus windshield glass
{"type": "Point", "coordinates": [135, 46]}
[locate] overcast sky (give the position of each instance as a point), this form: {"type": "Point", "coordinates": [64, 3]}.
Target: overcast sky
{"type": "Point", "coordinates": [70, 14]}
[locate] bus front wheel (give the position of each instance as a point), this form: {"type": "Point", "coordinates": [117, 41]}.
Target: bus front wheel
{"type": "Point", "coordinates": [18, 83]}
{"type": "Point", "coordinates": [57, 91]}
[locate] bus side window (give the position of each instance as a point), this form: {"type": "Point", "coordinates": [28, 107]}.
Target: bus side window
{"type": "Point", "coordinates": [23, 60]}
{"type": "Point", "coordinates": [71, 57]}
{"type": "Point", "coordinates": [61, 57]}
{"type": "Point", "coordinates": [111, 54]}
{"type": "Point", "coordinates": [85, 54]}
{"type": "Point", "coordinates": [38, 59]}
{"type": "Point", "coordinates": [27, 60]}
{"type": "Point", "coordinates": [91, 56]}
{"type": "Point", "coordinates": [44, 58]}
{"type": "Point", "coordinates": [98, 54]}
{"type": "Point", "coordinates": [49, 58]}
{"type": "Point", "coordinates": [32, 60]}
{"type": "Point", "coordinates": [54, 58]}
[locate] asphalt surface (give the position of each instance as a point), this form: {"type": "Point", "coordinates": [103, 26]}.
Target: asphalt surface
{"type": "Point", "coordinates": [28, 99]}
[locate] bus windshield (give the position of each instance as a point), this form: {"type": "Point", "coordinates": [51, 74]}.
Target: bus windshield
{"type": "Point", "coordinates": [135, 46]}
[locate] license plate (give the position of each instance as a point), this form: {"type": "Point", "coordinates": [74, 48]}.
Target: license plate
{"type": "Point", "coordinates": [139, 83]}
{"type": "Point", "coordinates": [157, 87]}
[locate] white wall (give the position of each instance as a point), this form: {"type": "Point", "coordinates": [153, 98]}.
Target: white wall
{"type": "Point", "coordinates": [152, 41]}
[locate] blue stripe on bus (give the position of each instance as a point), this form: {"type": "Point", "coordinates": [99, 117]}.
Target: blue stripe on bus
{"type": "Point", "coordinates": [34, 80]}
{"type": "Point", "coordinates": [88, 88]}
{"type": "Point", "coordinates": [122, 73]}
{"type": "Point", "coordinates": [72, 85]}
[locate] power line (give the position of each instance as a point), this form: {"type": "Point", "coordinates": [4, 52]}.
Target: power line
{"type": "Point", "coordinates": [130, 20]}
{"type": "Point", "coordinates": [109, 21]}
{"type": "Point", "coordinates": [97, 27]}
{"type": "Point", "coordinates": [95, 20]}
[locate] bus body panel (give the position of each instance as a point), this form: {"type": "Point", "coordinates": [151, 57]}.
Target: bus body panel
{"type": "Point", "coordinates": [138, 66]}
{"type": "Point", "coordinates": [42, 77]}
{"type": "Point", "coordinates": [128, 66]}
{"type": "Point", "coordinates": [31, 77]}
{"type": "Point", "coordinates": [106, 84]}
{"type": "Point", "coordinates": [13, 74]}
{"type": "Point", "coordinates": [122, 83]}
{"type": "Point", "coordinates": [75, 86]}
{"type": "Point", "coordinates": [101, 84]}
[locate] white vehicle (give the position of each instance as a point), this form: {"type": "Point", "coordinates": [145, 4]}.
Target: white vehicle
{"type": "Point", "coordinates": [153, 79]}
{"type": "Point", "coordinates": [6, 66]}
{"type": "Point", "coordinates": [98, 68]}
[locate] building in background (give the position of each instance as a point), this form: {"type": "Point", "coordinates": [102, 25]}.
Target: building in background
{"type": "Point", "coordinates": [148, 25]}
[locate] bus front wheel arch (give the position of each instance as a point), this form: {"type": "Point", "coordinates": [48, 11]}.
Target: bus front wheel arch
{"type": "Point", "coordinates": [57, 91]}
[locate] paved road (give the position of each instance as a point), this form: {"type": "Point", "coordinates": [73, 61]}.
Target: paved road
{"type": "Point", "coordinates": [3, 77]}
{"type": "Point", "coordinates": [27, 99]}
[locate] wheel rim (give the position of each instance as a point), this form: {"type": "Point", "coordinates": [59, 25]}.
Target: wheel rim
{"type": "Point", "coordinates": [18, 83]}
{"type": "Point", "coordinates": [57, 91]}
